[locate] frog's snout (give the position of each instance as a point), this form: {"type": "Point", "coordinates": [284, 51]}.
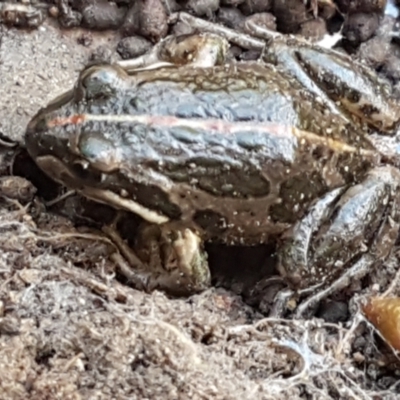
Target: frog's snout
{"type": "Point", "coordinates": [35, 131]}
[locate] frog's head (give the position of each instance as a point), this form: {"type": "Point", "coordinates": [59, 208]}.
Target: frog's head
{"type": "Point", "coordinates": [97, 86]}
{"type": "Point", "coordinates": [66, 139]}
{"type": "Point", "coordinates": [60, 133]}
{"type": "Point", "coordinates": [82, 141]}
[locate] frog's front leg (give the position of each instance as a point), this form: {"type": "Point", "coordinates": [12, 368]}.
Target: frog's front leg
{"type": "Point", "coordinates": [164, 257]}
{"type": "Point", "coordinates": [344, 234]}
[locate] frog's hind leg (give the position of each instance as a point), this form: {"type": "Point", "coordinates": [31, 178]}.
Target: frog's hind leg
{"type": "Point", "coordinates": [200, 50]}
{"type": "Point", "coordinates": [285, 54]}
{"type": "Point", "coordinates": [343, 236]}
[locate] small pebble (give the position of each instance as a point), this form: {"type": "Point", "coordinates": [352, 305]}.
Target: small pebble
{"type": "Point", "coordinates": [133, 46]}
{"type": "Point", "coordinates": [360, 27]}
{"type": "Point", "coordinates": [290, 14]}
{"type": "Point", "coordinates": [102, 15]}
{"type": "Point", "coordinates": [147, 18]}
{"type": "Point", "coordinates": [17, 188]}
{"type": "Point", "coordinates": [101, 54]}
{"type": "Point", "coordinates": [314, 29]}
{"type": "Point", "coordinates": [85, 39]}
{"type": "Point", "coordinates": [53, 11]}
{"type": "Point", "coordinates": [375, 51]}
{"type": "Point", "coordinates": [231, 17]}
{"type": "Point", "coordinates": [202, 8]}
{"type": "Point", "coordinates": [326, 9]}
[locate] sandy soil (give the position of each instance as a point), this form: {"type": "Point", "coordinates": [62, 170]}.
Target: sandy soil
{"type": "Point", "coordinates": [36, 66]}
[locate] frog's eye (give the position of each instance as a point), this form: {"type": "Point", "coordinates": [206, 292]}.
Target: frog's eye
{"type": "Point", "coordinates": [100, 81]}
{"type": "Point", "coordinates": [99, 152]}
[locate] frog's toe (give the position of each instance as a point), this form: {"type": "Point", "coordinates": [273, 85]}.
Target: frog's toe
{"type": "Point", "coordinates": [163, 258]}
{"type": "Point", "coordinates": [184, 258]}
{"type": "Point", "coordinates": [174, 258]}
{"type": "Point", "coordinates": [342, 230]}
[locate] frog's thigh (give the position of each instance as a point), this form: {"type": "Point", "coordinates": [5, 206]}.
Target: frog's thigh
{"type": "Point", "coordinates": [345, 233]}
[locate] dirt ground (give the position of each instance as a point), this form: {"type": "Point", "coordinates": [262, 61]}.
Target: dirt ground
{"type": "Point", "coordinates": [71, 329]}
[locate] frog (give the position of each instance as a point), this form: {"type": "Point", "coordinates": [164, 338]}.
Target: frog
{"type": "Point", "coordinates": [299, 147]}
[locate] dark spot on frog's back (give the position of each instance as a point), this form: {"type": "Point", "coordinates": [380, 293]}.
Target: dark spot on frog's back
{"type": "Point", "coordinates": [352, 96]}
{"type": "Point", "coordinates": [368, 110]}
{"type": "Point", "coordinates": [149, 196]}
{"type": "Point", "coordinates": [296, 193]}
{"type": "Point", "coordinates": [213, 223]}
{"type": "Point", "coordinates": [219, 177]}
{"type": "Point", "coordinates": [185, 135]}
{"type": "Point", "coordinates": [249, 140]}
{"type": "Point", "coordinates": [154, 198]}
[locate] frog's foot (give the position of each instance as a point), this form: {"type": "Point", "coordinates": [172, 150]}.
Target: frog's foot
{"type": "Point", "coordinates": [171, 260]}
{"type": "Point", "coordinates": [343, 236]}
{"type": "Point", "coordinates": [202, 50]}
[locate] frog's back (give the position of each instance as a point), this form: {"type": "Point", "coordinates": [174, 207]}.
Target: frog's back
{"type": "Point", "coordinates": [233, 93]}
{"type": "Point", "coordinates": [245, 92]}
{"type": "Point", "coordinates": [194, 145]}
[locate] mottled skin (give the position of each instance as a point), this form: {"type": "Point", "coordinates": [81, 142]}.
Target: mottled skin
{"type": "Point", "coordinates": [240, 154]}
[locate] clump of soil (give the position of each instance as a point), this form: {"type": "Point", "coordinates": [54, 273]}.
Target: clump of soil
{"type": "Point", "coordinates": [70, 330]}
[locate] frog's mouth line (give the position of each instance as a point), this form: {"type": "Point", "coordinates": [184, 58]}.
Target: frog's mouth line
{"type": "Point", "coordinates": [218, 126]}
{"type": "Point", "coordinates": [60, 173]}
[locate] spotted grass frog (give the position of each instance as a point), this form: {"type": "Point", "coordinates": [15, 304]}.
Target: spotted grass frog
{"type": "Point", "coordinates": [299, 148]}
